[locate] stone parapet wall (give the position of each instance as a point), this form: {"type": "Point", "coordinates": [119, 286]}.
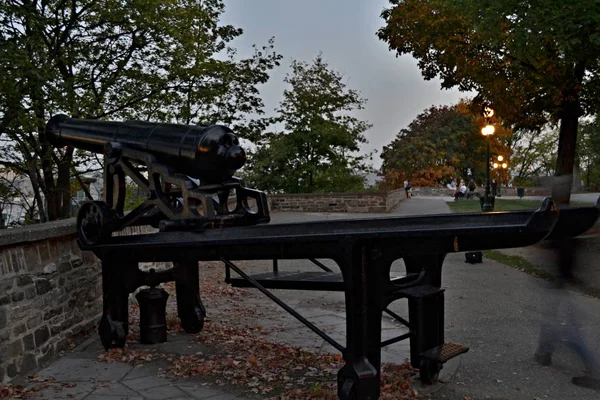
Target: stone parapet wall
{"type": "Point", "coordinates": [50, 292]}
{"type": "Point", "coordinates": [394, 197]}
{"type": "Point", "coordinates": [329, 202]}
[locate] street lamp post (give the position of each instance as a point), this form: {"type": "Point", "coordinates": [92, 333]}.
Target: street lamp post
{"type": "Point", "coordinates": [499, 165]}
{"type": "Point", "coordinates": [487, 131]}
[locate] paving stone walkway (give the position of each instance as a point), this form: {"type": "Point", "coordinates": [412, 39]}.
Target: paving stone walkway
{"type": "Point", "coordinates": [79, 376]}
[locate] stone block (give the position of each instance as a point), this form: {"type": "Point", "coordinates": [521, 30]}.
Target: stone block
{"type": "Point", "coordinates": [6, 285]}
{"type": "Point", "coordinates": [76, 262]}
{"type": "Point", "coordinates": [38, 302]}
{"type": "Point", "coordinates": [64, 267]}
{"type": "Point", "coordinates": [47, 356]}
{"type": "Point", "coordinates": [4, 336]}
{"type": "Point", "coordinates": [44, 252]}
{"type": "Point", "coordinates": [56, 329]}
{"type": "Point", "coordinates": [4, 300]}
{"type": "Point", "coordinates": [21, 311]}
{"type": "Point", "coordinates": [19, 330]}
{"type": "Point", "coordinates": [28, 364]}
{"type": "Point", "coordinates": [35, 321]}
{"type": "Point", "coordinates": [12, 370]}
{"type": "Point", "coordinates": [29, 292]}
{"type": "Point", "coordinates": [17, 296]}
{"type": "Point", "coordinates": [14, 349]}
{"type": "Point", "coordinates": [41, 336]}
{"type": "Point", "coordinates": [24, 279]}
{"type": "Point", "coordinates": [3, 318]}
{"type": "Point", "coordinates": [49, 268]}
{"type": "Point", "coordinates": [43, 286]}
{"type": "Point", "coordinates": [53, 313]}
{"type": "Point", "coordinates": [28, 342]}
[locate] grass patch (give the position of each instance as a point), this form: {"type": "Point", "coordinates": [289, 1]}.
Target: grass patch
{"type": "Point", "coordinates": [473, 205]}
{"type": "Point", "coordinates": [519, 263]}
{"type": "Point", "coordinates": [522, 264]}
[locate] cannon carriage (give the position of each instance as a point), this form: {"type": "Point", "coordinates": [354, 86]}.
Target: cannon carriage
{"type": "Point", "coordinates": [364, 250]}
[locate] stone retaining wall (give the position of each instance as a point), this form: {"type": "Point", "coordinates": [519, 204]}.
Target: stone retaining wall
{"type": "Point", "coordinates": [50, 292]}
{"type": "Point", "coordinates": [329, 202]}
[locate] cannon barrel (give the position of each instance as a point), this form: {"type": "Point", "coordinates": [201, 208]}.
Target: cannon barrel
{"type": "Point", "coordinates": [210, 153]}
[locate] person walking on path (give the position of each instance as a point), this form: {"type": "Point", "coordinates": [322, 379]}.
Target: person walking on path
{"type": "Point", "coordinates": [554, 331]}
{"type": "Point", "coordinates": [407, 189]}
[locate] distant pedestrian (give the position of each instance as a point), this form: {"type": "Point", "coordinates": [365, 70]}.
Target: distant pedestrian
{"type": "Point", "coordinates": [407, 189]}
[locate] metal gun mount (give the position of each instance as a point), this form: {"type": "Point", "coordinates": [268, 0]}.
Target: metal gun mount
{"type": "Point", "coordinates": [174, 201]}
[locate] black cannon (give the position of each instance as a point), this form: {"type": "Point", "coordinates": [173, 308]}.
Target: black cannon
{"type": "Point", "coordinates": [364, 250]}
{"type": "Point", "coordinates": [186, 171]}
{"type": "Point", "coordinates": [187, 175]}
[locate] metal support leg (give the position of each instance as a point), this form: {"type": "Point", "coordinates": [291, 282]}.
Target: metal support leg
{"type": "Point", "coordinates": [426, 315]}
{"type": "Point", "coordinates": [190, 309]}
{"type": "Point", "coordinates": [114, 324]}
{"type": "Point", "coordinates": [360, 377]}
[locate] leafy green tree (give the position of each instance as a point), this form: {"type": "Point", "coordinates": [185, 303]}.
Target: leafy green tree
{"type": "Point", "coordinates": [534, 153]}
{"type": "Point", "coordinates": [588, 150]}
{"type": "Point", "coordinates": [116, 59]}
{"type": "Point", "coordinates": [534, 61]}
{"type": "Point", "coordinates": [441, 144]}
{"type": "Point", "coordinates": [316, 149]}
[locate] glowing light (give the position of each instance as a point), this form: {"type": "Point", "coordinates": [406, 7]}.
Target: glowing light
{"type": "Point", "coordinates": [488, 112]}
{"type": "Point", "coordinates": [488, 130]}
{"type": "Point", "coordinates": [495, 165]}
{"type": "Point", "coordinates": [504, 165]}
{"type": "Point", "coordinates": [500, 158]}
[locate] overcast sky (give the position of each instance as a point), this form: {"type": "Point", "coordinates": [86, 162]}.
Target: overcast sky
{"type": "Point", "coordinates": [345, 31]}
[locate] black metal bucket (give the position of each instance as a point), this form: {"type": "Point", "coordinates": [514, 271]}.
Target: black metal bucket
{"type": "Point", "coordinates": [153, 321]}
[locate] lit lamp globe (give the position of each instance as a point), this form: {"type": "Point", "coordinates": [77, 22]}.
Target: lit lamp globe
{"type": "Point", "coordinates": [500, 158]}
{"type": "Point", "coordinates": [495, 165]}
{"type": "Point", "coordinates": [504, 165]}
{"type": "Point", "coordinates": [487, 130]}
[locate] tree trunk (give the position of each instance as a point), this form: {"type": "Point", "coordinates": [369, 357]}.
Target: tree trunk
{"type": "Point", "coordinates": [33, 177]}
{"type": "Point", "coordinates": [63, 184]}
{"type": "Point", "coordinates": [567, 141]}
{"type": "Point", "coordinates": [49, 185]}
{"type": "Point", "coordinates": [577, 187]}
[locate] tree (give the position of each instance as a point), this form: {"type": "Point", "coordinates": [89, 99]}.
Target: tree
{"type": "Point", "coordinates": [315, 151]}
{"type": "Point", "coordinates": [153, 60]}
{"type": "Point", "coordinates": [440, 144]}
{"type": "Point", "coordinates": [533, 153]}
{"type": "Point", "coordinates": [534, 61]}
{"type": "Point", "coordinates": [588, 150]}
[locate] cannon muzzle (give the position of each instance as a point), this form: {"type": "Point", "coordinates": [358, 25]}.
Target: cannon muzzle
{"type": "Point", "coordinates": [211, 153]}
